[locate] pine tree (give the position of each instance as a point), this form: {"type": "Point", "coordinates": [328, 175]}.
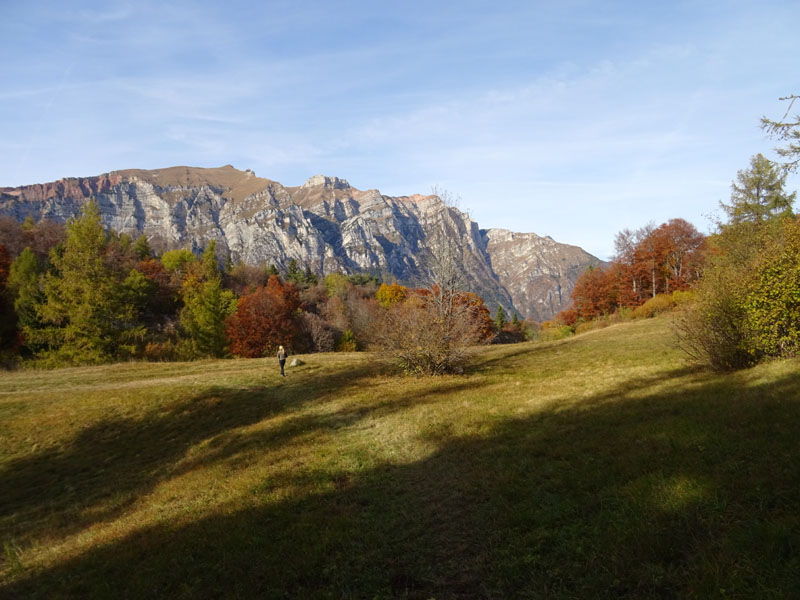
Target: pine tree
{"type": "Point", "coordinates": [293, 272]}
{"type": "Point", "coordinates": [758, 193]}
{"type": "Point", "coordinates": [787, 130]}
{"type": "Point", "coordinates": [309, 277]}
{"type": "Point", "coordinates": [88, 305]}
{"type": "Point", "coordinates": [500, 318]}
{"type": "Point", "coordinates": [206, 305]}
{"type": "Point", "coordinates": [142, 248]}
{"type": "Point", "coordinates": [25, 288]}
{"type": "Point", "coordinates": [8, 318]}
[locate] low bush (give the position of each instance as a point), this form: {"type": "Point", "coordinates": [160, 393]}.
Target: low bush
{"type": "Point", "coordinates": [555, 332]}
{"type": "Point", "coordinates": [654, 306]}
{"type": "Point", "coordinates": [347, 343]}
{"type": "Point", "coordinates": [587, 326]}
{"type": "Point", "coordinates": [160, 351]}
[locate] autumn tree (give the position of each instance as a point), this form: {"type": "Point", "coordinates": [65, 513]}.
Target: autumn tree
{"type": "Point", "coordinates": [337, 284]}
{"type": "Point", "coordinates": [389, 295]}
{"type": "Point", "coordinates": [681, 258]}
{"type": "Point", "coordinates": [630, 272]}
{"type": "Point", "coordinates": [264, 319]}
{"type": "Point", "coordinates": [351, 312]}
{"type": "Point", "coordinates": [417, 336]}
{"type": "Point", "coordinates": [162, 292]}
{"type": "Point", "coordinates": [648, 261]}
{"type": "Point", "coordinates": [243, 279]}
{"type": "Point", "coordinates": [40, 237]}
{"type": "Point", "coordinates": [314, 334]}
{"type": "Point", "coordinates": [178, 261]}
{"type": "Point", "coordinates": [591, 296]}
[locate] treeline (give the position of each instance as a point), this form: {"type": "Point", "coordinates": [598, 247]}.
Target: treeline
{"type": "Point", "coordinates": [648, 261]}
{"type": "Point", "coordinates": [738, 289]}
{"type": "Point", "coordinates": [77, 294]}
{"type": "Point", "coordinates": [747, 303]}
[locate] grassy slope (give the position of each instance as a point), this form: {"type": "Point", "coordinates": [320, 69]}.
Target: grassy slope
{"type": "Point", "coordinates": [594, 467]}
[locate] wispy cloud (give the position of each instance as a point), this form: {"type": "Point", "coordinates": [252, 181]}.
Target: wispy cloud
{"type": "Point", "coordinates": [564, 115]}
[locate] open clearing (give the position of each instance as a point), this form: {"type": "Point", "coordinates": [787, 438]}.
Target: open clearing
{"type": "Point", "coordinates": [596, 467]}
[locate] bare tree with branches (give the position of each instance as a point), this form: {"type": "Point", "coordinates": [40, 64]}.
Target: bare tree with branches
{"type": "Point", "coordinates": [787, 129]}
{"type": "Point", "coordinates": [432, 331]}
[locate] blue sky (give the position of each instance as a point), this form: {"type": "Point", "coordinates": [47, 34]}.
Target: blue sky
{"type": "Point", "coordinates": [568, 119]}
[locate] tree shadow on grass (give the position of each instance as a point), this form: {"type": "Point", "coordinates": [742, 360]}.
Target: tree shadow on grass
{"type": "Point", "coordinates": [108, 465]}
{"type": "Point", "coordinates": [653, 496]}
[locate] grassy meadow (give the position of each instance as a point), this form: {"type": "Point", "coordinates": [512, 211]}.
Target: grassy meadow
{"type": "Point", "coordinates": [595, 467]}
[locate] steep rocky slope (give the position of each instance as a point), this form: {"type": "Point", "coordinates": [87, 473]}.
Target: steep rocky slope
{"type": "Point", "coordinates": [325, 224]}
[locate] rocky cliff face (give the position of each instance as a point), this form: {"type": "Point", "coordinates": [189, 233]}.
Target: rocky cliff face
{"type": "Point", "coordinates": [324, 224]}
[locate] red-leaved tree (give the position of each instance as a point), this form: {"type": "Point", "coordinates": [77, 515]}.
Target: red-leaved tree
{"type": "Point", "coordinates": [264, 319]}
{"type": "Point", "coordinates": [649, 261]}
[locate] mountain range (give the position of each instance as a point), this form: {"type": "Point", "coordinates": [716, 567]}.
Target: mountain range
{"type": "Point", "coordinates": [326, 225]}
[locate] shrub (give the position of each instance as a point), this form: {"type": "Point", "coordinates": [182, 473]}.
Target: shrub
{"type": "Point", "coordinates": [430, 333]}
{"type": "Point", "coordinates": [747, 306]}
{"type": "Point", "coordinates": [160, 351]}
{"type": "Point", "coordinates": [712, 330]}
{"type": "Point", "coordinates": [682, 298]}
{"type": "Point", "coordinates": [551, 332]}
{"type": "Point", "coordinates": [586, 326]}
{"type": "Point", "coordinates": [347, 343]}
{"type": "Point", "coordinates": [315, 334]}
{"type": "Point", "coordinates": [772, 304]}
{"type": "Point", "coordinates": [654, 306]}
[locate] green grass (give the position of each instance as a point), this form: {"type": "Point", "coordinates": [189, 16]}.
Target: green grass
{"type": "Point", "coordinates": [595, 467]}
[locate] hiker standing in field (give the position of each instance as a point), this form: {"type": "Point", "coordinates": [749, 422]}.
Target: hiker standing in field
{"type": "Point", "coordinates": [282, 359]}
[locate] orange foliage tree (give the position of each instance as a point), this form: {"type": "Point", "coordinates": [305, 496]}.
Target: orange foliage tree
{"type": "Point", "coordinates": [648, 261]}
{"type": "Point", "coordinates": [264, 319]}
{"type": "Point", "coordinates": [388, 295]}
{"type": "Point", "coordinates": [593, 294]}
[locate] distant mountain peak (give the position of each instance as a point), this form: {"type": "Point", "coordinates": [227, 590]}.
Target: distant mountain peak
{"type": "Point", "coordinates": [328, 182]}
{"type": "Point", "coordinates": [325, 225]}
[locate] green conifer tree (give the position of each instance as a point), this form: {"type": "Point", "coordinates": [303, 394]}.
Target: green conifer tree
{"type": "Point", "coordinates": [206, 305]}
{"type": "Point", "coordinates": [142, 248]}
{"type": "Point", "coordinates": [87, 306]}
{"type": "Point", "coordinates": [758, 193]}
{"type": "Point", "coordinates": [25, 288]}
{"type": "Point", "coordinates": [500, 318]}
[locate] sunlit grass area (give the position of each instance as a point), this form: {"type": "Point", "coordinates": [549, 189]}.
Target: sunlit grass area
{"type": "Point", "coordinates": [595, 467]}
